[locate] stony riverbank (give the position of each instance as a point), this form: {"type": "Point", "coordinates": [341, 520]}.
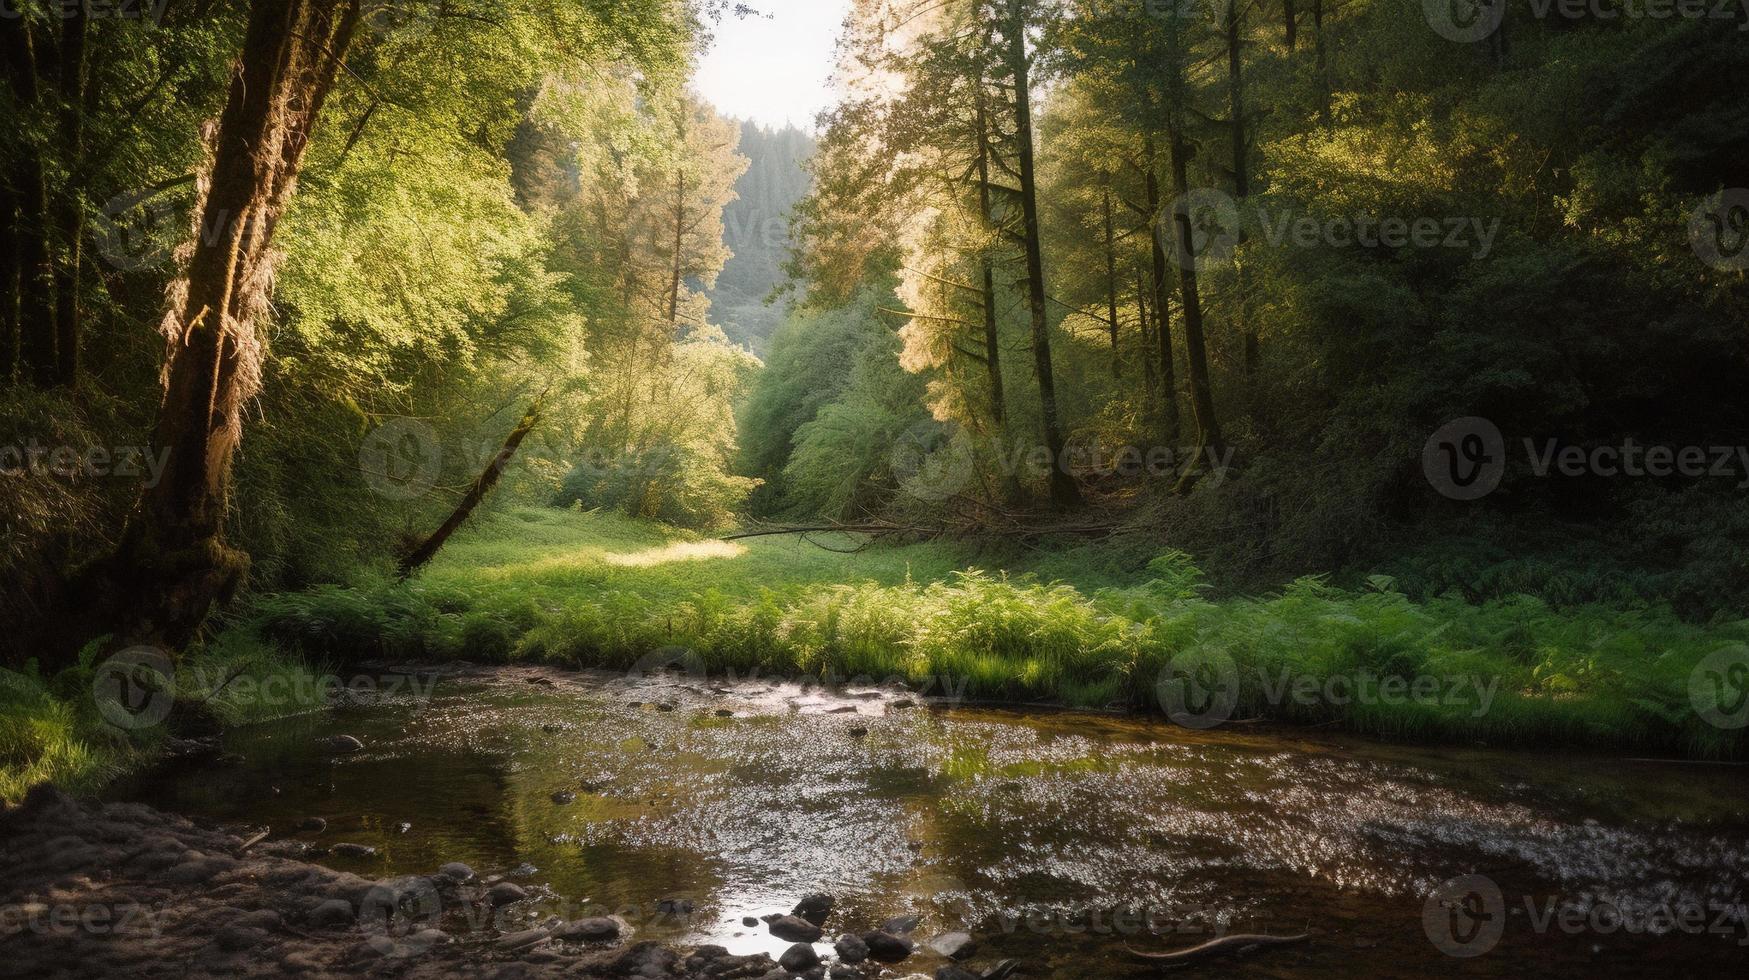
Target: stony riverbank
{"type": "Point", "coordinates": [122, 889]}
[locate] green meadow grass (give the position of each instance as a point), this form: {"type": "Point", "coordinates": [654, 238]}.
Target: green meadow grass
{"type": "Point", "coordinates": [598, 590]}
{"type": "Point", "coordinates": [1092, 626]}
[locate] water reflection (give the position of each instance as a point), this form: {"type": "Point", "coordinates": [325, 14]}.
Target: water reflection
{"type": "Point", "coordinates": [1058, 838]}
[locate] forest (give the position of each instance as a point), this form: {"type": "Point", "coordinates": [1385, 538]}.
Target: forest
{"type": "Point", "coordinates": [1272, 370]}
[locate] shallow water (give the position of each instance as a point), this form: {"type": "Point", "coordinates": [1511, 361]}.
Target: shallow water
{"type": "Point", "coordinates": [1056, 838]}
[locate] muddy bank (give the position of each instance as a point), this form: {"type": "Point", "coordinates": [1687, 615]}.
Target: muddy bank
{"type": "Point", "coordinates": [122, 889]}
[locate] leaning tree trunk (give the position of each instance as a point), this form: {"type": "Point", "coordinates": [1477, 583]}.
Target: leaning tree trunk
{"type": "Point", "coordinates": [173, 562]}
{"type": "Point", "coordinates": [1063, 490]}
{"type": "Point", "coordinates": [483, 485]}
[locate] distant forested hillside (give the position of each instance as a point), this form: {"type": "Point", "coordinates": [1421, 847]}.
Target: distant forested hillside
{"type": "Point", "coordinates": [756, 229]}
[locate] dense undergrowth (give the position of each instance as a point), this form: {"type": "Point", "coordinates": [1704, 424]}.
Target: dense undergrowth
{"type": "Point", "coordinates": [597, 590]}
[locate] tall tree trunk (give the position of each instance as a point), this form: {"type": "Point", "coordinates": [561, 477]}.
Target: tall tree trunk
{"type": "Point", "coordinates": [483, 485]}
{"type": "Point", "coordinates": [34, 255]}
{"type": "Point", "coordinates": [1322, 59]}
{"type": "Point", "coordinates": [69, 206]}
{"type": "Point", "coordinates": [1111, 288]}
{"type": "Point", "coordinates": [1202, 402]}
{"type": "Point", "coordinates": [1235, 30]}
{"type": "Point", "coordinates": [37, 357]}
{"type": "Point", "coordinates": [9, 283]}
{"type": "Point", "coordinates": [1063, 490]}
{"type": "Point", "coordinates": [679, 242]}
{"type": "Point", "coordinates": [173, 563]}
{"type": "Point", "coordinates": [1147, 336]}
{"type": "Point", "coordinates": [1290, 24]}
{"type": "Point", "coordinates": [1171, 424]}
{"type": "Point", "coordinates": [992, 342]}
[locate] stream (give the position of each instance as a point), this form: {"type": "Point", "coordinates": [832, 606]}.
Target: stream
{"type": "Point", "coordinates": [687, 804]}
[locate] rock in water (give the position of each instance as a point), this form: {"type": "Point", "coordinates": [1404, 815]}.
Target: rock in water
{"type": "Point", "coordinates": [886, 947]}
{"type": "Point", "coordinates": [900, 925]}
{"type": "Point", "coordinates": [600, 929]}
{"type": "Point", "coordinates": [333, 912]}
{"type": "Point", "coordinates": [795, 929]}
{"type": "Point", "coordinates": [851, 949]}
{"type": "Point", "coordinates": [504, 893]}
{"type": "Point", "coordinates": [457, 872]}
{"type": "Point", "coordinates": [564, 796]}
{"type": "Point", "coordinates": [314, 825]}
{"type": "Point", "coordinates": [344, 744]}
{"type": "Point", "coordinates": [354, 851]}
{"type": "Point", "coordinates": [674, 906]}
{"type": "Point", "coordinates": [522, 940]}
{"type": "Point", "coordinates": [798, 958]}
{"type": "Point", "coordinates": [815, 907]}
{"type": "Point", "coordinates": [955, 945]}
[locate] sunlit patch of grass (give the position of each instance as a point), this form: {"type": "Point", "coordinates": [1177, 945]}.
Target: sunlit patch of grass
{"type": "Point", "coordinates": [678, 551]}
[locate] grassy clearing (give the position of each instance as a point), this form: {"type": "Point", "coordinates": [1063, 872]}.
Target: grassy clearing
{"type": "Point", "coordinates": [597, 590]}
{"type": "Point", "coordinates": [1088, 627]}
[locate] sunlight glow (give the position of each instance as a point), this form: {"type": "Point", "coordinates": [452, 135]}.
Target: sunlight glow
{"type": "Point", "coordinates": [678, 551]}
{"type": "Point", "coordinates": [774, 70]}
